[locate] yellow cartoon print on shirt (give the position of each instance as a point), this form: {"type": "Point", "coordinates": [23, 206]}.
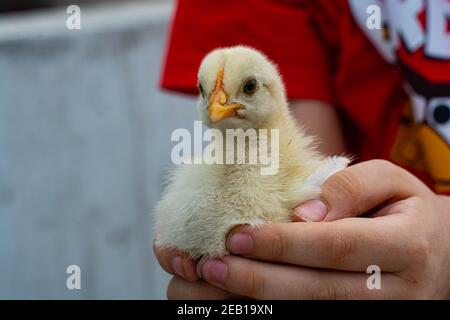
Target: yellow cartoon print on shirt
{"type": "Point", "coordinates": [423, 140]}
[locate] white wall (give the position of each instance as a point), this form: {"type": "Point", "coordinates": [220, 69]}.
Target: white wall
{"type": "Point", "coordinates": [84, 144]}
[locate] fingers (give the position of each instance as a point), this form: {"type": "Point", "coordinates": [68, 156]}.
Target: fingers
{"type": "Point", "coordinates": [352, 244]}
{"type": "Point", "coordinates": [180, 289]}
{"type": "Point", "coordinates": [262, 280]}
{"type": "Point", "coordinates": [358, 189]}
{"type": "Point", "coordinates": [176, 263]}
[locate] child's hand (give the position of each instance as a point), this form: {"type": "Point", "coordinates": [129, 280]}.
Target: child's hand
{"type": "Point", "coordinates": [408, 238]}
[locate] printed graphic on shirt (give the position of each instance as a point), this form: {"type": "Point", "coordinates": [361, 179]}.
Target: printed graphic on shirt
{"type": "Point", "coordinates": [416, 36]}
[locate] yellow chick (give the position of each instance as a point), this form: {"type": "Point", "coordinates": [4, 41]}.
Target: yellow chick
{"type": "Point", "coordinates": [240, 89]}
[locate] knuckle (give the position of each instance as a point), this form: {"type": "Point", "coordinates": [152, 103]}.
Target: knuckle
{"type": "Point", "coordinates": [335, 249]}
{"type": "Point", "coordinates": [256, 285]}
{"type": "Point", "coordinates": [419, 249]}
{"type": "Point", "coordinates": [279, 246]}
{"type": "Point", "coordinates": [351, 185]}
{"type": "Point", "coordinates": [344, 187]}
{"type": "Point", "coordinates": [315, 293]}
{"type": "Point", "coordinates": [324, 290]}
{"type": "Point", "coordinates": [300, 290]}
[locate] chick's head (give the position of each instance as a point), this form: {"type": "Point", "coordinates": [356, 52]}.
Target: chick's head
{"type": "Point", "coordinates": [239, 88]}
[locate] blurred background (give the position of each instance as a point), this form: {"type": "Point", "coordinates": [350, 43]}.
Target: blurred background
{"type": "Point", "coordinates": [84, 146]}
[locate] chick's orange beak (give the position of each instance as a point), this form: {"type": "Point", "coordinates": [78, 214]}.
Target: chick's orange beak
{"type": "Point", "coordinates": [218, 106]}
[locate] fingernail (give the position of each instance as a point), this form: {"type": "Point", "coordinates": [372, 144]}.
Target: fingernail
{"type": "Point", "coordinates": [312, 210]}
{"type": "Point", "coordinates": [240, 243]}
{"type": "Point", "coordinates": [177, 266]}
{"type": "Point", "coordinates": [214, 271]}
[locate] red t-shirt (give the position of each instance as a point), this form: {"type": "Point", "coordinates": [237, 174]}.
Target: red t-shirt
{"type": "Point", "coordinates": [391, 85]}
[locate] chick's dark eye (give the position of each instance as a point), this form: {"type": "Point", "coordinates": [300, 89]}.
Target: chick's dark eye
{"type": "Point", "coordinates": [200, 89]}
{"type": "Point", "coordinates": [250, 86]}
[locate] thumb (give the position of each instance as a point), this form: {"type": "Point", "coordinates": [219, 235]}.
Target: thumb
{"type": "Point", "coordinates": [357, 189]}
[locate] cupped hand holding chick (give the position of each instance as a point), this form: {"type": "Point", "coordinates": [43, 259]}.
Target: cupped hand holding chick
{"type": "Point", "coordinates": [407, 236]}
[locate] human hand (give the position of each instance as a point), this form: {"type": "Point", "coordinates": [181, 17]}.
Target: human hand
{"type": "Point", "coordinates": [408, 238]}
